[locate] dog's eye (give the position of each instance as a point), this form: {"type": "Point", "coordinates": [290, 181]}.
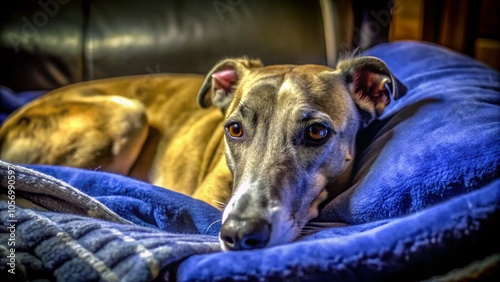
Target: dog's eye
{"type": "Point", "coordinates": [234, 129]}
{"type": "Point", "coordinates": [317, 133]}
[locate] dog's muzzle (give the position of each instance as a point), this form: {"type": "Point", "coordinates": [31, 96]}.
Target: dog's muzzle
{"type": "Point", "coordinates": [245, 233]}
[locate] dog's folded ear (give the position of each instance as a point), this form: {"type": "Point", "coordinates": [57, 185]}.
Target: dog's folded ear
{"type": "Point", "coordinates": [221, 82]}
{"type": "Point", "coordinates": [369, 80]}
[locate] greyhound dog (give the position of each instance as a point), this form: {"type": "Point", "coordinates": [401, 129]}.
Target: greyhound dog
{"type": "Point", "coordinates": [269, 144]}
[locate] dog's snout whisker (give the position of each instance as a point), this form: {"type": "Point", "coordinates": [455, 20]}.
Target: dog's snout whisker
{"type": "Point", "coordinates": [313, 227]}
{"type": "Point", "coordinates": [308, 230]}
{"type": "Point", "coordinates": [212, 224]}
{"type": "Point", "coordinates": [221, 204]}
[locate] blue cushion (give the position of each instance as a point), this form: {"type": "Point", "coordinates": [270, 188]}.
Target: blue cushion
{"type": "Point", "coordinates": [438, 141]}
{"type": "Point", "coordinates": [12, 101]}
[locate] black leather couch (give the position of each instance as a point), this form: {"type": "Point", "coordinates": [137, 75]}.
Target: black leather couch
{"type": "Point", "coordinates": [45, 44]}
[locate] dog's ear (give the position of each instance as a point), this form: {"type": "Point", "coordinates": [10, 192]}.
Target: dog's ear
{"type": "Point", "coordinates": [369, 80]}
{"type": "Point", "coordinates": [221, 82]}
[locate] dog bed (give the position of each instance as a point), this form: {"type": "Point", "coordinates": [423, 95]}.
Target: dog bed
{"type": "Point", "coordinates": [424, 202]}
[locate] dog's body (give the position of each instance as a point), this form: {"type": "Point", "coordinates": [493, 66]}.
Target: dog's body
{"type": "Point", "coordinates": [278, 143]}
{"type": "Point", "coordinates": [91, 125]}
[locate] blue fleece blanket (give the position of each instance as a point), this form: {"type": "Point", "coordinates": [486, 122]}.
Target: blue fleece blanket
{"type": "Point", "coordinates": [425, 199]}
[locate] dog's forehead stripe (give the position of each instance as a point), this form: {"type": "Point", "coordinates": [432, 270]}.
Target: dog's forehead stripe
{"type": "Point", "coordinates": [287, 87]}
{"type": "Point", "coordinates": [260, 97]}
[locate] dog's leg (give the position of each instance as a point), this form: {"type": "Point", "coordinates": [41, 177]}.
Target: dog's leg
{"type": "Point", "coordinates": [213, 189]}
{"type": "Point", "coordinates": [94, 132]}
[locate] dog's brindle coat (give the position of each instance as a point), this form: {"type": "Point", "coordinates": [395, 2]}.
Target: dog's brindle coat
{"type": "Point", "coordinates": [288, 133]}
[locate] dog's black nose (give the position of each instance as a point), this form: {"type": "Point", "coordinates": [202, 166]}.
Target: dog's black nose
{"type": "Point", "coordinates": [245, 234]}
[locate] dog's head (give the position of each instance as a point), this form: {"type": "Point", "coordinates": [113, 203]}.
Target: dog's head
{"type": "Point", "coordinates": [290, 135]}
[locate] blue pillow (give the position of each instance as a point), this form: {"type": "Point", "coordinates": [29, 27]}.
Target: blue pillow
{"type": "Point", "coordinates": [438, 141]}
